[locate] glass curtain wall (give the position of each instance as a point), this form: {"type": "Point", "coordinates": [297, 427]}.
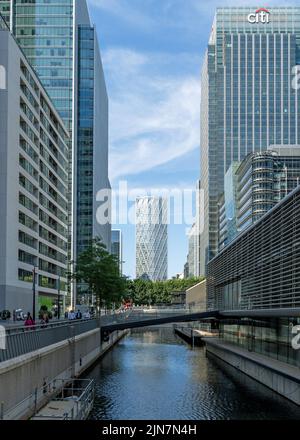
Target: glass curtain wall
{"type": "Point", "coordinates": [85, 143]}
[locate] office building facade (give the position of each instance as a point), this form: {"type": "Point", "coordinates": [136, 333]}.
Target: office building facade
{"type": "Point", "coordinates": [263, 180]}
{"type": "Point", "coordinates": [248, 99]}
{"type": "Point", "coordinates": [33, 182]}
{"type": "Point", "coordinates": [62, 46]}
{"type": "Point", "coordinates": [254, 186]}
{"type": "Point", "coordinates": [152, 238]}
{"type": "Point", "coordinates": [117, 246]}
{"type": "Point", "coordinates": [260, 268]}
{"type": "Point", "coordinates": [257, 277]}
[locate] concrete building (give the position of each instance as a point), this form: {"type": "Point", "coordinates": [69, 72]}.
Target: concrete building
{"type": "Point", "coordinates": [33, 186]}
{"type": "Point", "coordinates": [247, 102]}
{"type": "Point", "coordinates": [61, 44]}
{"type": "Point", "coordinates": [151, 238]}
{"type": "Point", "coordinates": [196, 297]}
{"type": "Point", "coordinates": [117, 246]}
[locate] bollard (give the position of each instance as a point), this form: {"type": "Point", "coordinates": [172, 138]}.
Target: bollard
{"type": "Point", "coordinates": [2, 411]}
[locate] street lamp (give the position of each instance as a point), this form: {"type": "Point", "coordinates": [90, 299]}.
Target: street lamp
{"type": "Point", "coordinates": [58, 298]}
{"type": "Point", "coordinates": [33, 292]}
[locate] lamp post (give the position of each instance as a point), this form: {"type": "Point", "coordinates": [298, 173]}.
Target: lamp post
{"type": "Point", "coordinates": [33, 292]}
{"type": "Point", "coordinates": [58, 298]}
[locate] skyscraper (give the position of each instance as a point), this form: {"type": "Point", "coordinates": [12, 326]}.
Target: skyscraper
{"type": "Point", "coordinates": [61, 44]}
{"type": "Point", "coordinates": [151, 238]}
{"type": "Point", "coordinates": [248, 100]}
{"type": "Point", "coordinates": [117, 246]}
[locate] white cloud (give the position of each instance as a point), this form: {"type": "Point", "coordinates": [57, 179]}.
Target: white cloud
{"type": "Point", "coordinates": [124, 10]}
{"type": "Point", "coordinates": [154, 115]}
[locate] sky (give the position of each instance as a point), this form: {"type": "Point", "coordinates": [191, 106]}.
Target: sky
{"type": "Point", "coordinates": [152, 53]}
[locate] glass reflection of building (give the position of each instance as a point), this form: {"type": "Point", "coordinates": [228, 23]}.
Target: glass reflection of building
{"type": "Point", "coordinates": [228, 207]}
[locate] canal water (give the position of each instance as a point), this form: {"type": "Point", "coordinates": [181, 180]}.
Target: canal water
{"type": "Point", "coordinates": [153, 375]}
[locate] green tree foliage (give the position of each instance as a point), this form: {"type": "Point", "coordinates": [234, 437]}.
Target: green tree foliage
{"type": "Point", "coordinates": [99, 269]}
{"type": "Point", "coordinates": [150, 292]}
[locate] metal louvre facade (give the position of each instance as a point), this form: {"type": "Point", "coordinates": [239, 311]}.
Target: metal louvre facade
{"type": "Point", "coordinates": [260, 269]}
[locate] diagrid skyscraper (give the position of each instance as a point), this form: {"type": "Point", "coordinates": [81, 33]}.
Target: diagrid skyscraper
{"type": "Point", "coordinates": [249, 98]}
{"type": "Point", "coordinates": [61, 44]}
{"type": "Point", "coordinates": [151, 238]}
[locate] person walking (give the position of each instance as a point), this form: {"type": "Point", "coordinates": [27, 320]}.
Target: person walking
{"type": "Point", "coordinates": [29, 323]}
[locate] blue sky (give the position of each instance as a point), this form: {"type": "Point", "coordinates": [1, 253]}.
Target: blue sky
{"type": "Point", "coordinates": [152, 52]}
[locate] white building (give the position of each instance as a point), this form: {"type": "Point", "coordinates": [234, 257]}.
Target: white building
{"type": "Point", "coordinates": [33, 186]}
{"type": "Point", "coordinates": [151, 238]}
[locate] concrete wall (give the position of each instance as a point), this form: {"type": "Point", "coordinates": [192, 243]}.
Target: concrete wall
{"type": "Point", "coordinates": [278, 376]}
{"type": "Point", "coordinates": [20, 377]}
{"type": "Point", "coordinates": [196, 296]}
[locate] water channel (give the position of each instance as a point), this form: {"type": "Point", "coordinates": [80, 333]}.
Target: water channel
{"type": "Point", "coordinates": [153, 375]}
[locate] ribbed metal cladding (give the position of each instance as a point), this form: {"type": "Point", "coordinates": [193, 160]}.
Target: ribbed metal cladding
{"type": "Point", "coordinates": [263, 261]}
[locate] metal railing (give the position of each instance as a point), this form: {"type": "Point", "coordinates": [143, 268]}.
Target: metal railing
{"type": "Point", "coordinates": [21, 340]}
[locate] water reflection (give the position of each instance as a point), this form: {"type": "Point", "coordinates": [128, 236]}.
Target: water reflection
{"type": "Point", "coordinates": [154, 375]}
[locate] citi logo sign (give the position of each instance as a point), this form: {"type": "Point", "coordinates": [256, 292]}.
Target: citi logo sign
{"type": "Point", "coordinates": [262, 15]}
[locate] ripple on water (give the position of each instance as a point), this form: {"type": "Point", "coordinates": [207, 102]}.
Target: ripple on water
{"type": "Point", "coordinates": [151, 376]}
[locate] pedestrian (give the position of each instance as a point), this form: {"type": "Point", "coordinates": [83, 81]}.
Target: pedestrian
{"type": "Point", "coordinates": [29, 322]}
{"type": "Point", "coordinates": [78, 314]}
{"type": "Point", "coordinates": [14, 315]}
{"type": "Point", "coordinates": [42, 322]}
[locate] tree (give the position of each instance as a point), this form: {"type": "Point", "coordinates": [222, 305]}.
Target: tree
{"type": "Point", "coordinates": [143, 291]}
{"type": "Point", "coordinates": [100, 271]}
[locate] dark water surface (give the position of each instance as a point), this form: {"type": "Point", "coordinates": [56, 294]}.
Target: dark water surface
{"type": "Point", "coordinates": [153, 375]}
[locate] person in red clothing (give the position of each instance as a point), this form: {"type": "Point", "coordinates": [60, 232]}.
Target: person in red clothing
{"type": "Point", "coordinates": [29, 322]}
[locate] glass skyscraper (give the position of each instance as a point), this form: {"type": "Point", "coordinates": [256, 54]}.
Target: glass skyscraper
{"type": "Point", "coordinates": [151, 238]}
{"type": "Point", "coordinates": [117, 246]}
{"type": "Point", "coordinates": [61, 44]}
{"type": "Point", "coordinates": [248, 101]}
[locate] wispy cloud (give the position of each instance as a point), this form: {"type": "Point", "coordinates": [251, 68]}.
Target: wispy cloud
{"type": "Point", "coordinates": [154, 114]}
{"type": "Point", "coordinates": [125, 10]}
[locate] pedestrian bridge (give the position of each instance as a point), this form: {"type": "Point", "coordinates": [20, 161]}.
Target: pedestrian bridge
{"type": "Point", "coordinates": [152, 317]}
{"type": "Point", "coordinates": [20, 340]}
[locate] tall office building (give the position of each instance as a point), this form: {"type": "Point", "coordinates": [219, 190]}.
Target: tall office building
{"type": "Point", "coordinates": [117, 246]}
{"type": "Point", "coordinates": [263, 179]}
{"type": "Point", "coordinates": [33, 186]}
{"type": "Point", "coordinates": [193, 250]}
{"type": "Point", "coordinates": [248, 97]}
{"type": "Point", "coordinates": [61, 44]}
{"type": "Point", "coordinates": [151, 238]}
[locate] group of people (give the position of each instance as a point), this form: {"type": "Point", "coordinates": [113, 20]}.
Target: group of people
{"type": "Point", "coordinates": [30, 323]}
{"type": "Point", "coordinates": [71, 315]}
